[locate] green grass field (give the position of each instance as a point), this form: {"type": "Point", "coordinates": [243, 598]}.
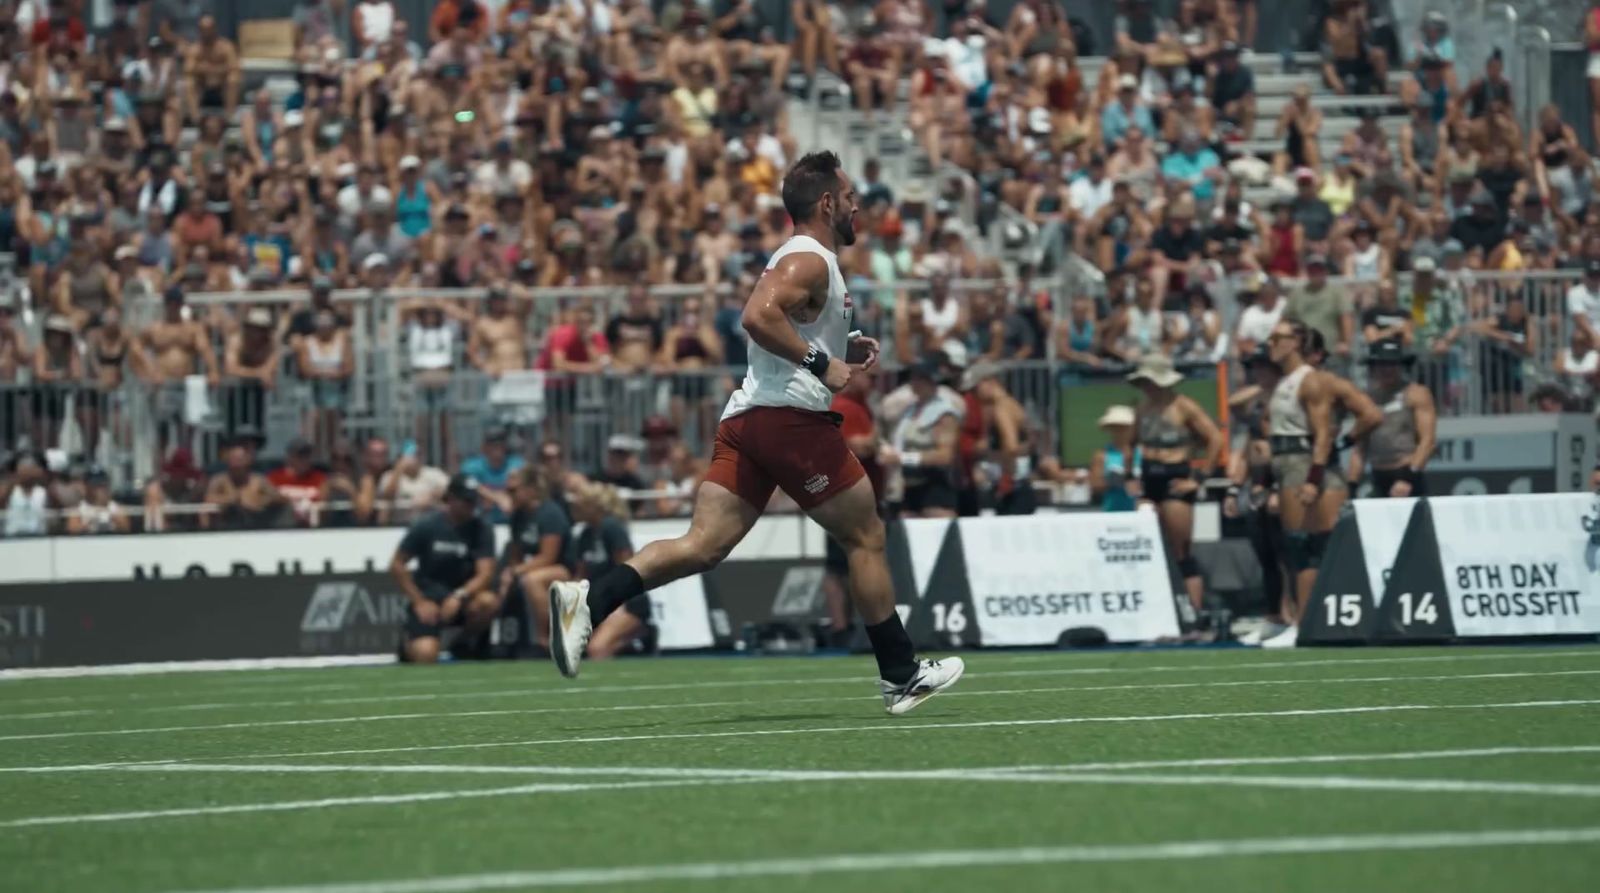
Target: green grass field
{"type": "Point", "coordinates": [1413, 770]}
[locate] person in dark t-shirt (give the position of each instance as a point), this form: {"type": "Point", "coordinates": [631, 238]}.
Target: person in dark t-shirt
{"type": "Point", "coordinates": [536, 554]}
{"type": "Point", "coordinates": [601, 545]}
{"type": "Point", "coordinates": [451, 586]}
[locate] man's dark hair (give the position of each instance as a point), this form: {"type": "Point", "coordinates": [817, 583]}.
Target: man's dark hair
{"type": "Point", "coordinates": [812, 177]}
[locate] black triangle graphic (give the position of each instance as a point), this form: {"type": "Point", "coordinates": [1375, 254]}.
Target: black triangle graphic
{"type": "Point", "coordinates": [898, 547]}
{"type": "Point", "coordinates": [1416, 603]}
{"type": "Point", "coordinates": [946, 618]}
{"type": "Point", "coordinates": [1340, 609]}
{"type": "Point", "coordinates": [722, 634]}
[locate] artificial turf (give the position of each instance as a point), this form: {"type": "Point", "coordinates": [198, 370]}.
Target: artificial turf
{"type": "Point", "coordinates": [190, 781]}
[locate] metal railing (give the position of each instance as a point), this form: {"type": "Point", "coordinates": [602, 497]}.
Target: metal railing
{"type": "Point", "coordinates": [125, 428]}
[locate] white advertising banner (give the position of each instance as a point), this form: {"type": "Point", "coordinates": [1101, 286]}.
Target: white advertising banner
{"type": "Point", "coordinates": [1383, 525]}
{"type": "Point", "coordinates": [1519, 565]}
{"type": "Point", "coordinates": [1033, 578]}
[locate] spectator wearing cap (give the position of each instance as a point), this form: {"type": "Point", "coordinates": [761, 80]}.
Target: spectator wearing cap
{"type": "Point", "coordinates": [1233, 91]}
{"type": "Point", "coordinates": [1577, 369]}
{"type": "Point", "coordinates": [1571, 187]}
{"type": "Point", "coordinates": [689, 348]}
{"type": "Point", "coordinates": [239, 497]}
{"type": "Point", "coordinates": [1309, 210]}
{"type": "Point", "coordinates": [1125, 111]}
{"type": "Point", "coordinates": [1077, 336]}
{"type": "Point", "coordinates": [1263, 308]}
{"type": "Point", "coordinates": [453, 583]}
{"type": "Point", "coordinates": [1177, 247]}
{"type": "Point", "coordinates": [1483, 228]}
{"type": "Point", "coordinates": [502, 172]}
{"type": "Point", "coordinates": [496, 343]}
{"type": "Point", "coordinates": [492, 468]}
{"type": "Point", "coordinates": [414, 199]}
{"type": "Point", "coordinates": [300, 482]}
{"type": "Point", "coordinates": [179, 482]}
{"type": "Point", "coordinates": [1438, 312]}
{"type": "Point", "coordinates": [1325, 307]}
{"type": "Point", "coordinates": [250, 360]}
{"type": "Point", "coordinates": [891, 259]}
{"type": "Point", "coordinates": [1386, 320]}
{"type": "Point", "coordinates": [1583, 301]}
{"type": "Point", "coordinates": [1090, 189]}
{"type": "Point", "coordinates": [620, 468]}
{"type": "Point", "coordinates": [1507, 341]}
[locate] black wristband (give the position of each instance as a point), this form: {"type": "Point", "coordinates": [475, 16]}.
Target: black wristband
{"type": "Point", "coordinates": [816, 362]}
{"type": "Point", "coordinates": [1315, 474]}
{"type": "Point", "coordinates": [1345, 443]}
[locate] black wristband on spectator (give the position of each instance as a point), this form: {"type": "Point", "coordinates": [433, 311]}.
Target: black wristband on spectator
{"type": "Point", "coordinates": [1314, 475]}
{"type": "Point", "coordinates": [816, 362]}
{"type": "Point", "coordinates": [1345, 443]}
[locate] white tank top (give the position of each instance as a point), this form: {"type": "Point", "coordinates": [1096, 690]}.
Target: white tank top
{"type": "Point", "coordinates": [774, 381]}
{"type": "Point", "coordinates": [1286, 415]}
{"type": "Point", "coordinates": [25, 512]}
{"type": "Point", "coordinates": [327, 357]}
{"type": "Point", "coordinates": [97, 518]}
{"type": "Point", "coordinates": [940, 322]}
{"type": "Point", "coordinates": [1364, 264]}
{"type": "Point", "coordinates": [432, 348]}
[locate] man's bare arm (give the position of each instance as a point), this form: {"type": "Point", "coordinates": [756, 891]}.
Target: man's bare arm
{"type": "Point", "coordinates": [780, 293]}
{"type": "Point", "coordinates": [1426, 418]}
{"type": "Point", "coordinates": [1318, 403]}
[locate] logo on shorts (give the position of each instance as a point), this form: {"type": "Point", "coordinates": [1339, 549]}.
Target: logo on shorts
{"type": "Point", "coordinates": [816, 484]}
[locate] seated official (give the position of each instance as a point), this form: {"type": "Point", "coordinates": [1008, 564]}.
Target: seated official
{"type": "Point", "coordinates": [454, 552]}
{"type": "Point", "coordinates": [602, 544]}
{"type": "Point", "coordinates": [536, 553]}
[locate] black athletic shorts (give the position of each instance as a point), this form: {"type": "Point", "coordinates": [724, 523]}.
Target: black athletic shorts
{"type": "Point", "coordinates": [1158, 478]}
{"type": "Point", "coordinates": [932, 494]}
{"type": "Point", "coordinates": [436, 593]}
{"type": "Point", "coordinates": [639, 606]}
{"type": "Point", "coordinates": [1383, 479]}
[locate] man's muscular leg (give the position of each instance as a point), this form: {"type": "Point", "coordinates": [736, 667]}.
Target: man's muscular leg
{"type": "Point", "coordinates": [852, 519]}
{"type": "Point", "coordinates": [721, 519]}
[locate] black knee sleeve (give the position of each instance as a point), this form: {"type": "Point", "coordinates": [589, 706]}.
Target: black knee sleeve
{"type": "Point", "coordinates": [1189, 566]}
{"type": "Point", "coordinates": [1296, 550]}
{"type": "Point", "coordinates": [1316, 544]}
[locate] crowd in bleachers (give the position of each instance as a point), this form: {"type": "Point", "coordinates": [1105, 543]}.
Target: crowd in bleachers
{"type": "Point", "coordinates": [515, 144]}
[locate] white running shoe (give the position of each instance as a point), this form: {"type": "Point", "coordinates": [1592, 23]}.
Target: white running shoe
{"type": "Point", "coordinates": [932, 677]}
{"type": "Point", "coordinates": [1286, 639]}
{"type": "Point", "coordinates": [1252, 637]}
{"type": "Point", "coordinates": [1265, 631]}
{"type": "Point", "coordinates": [570, 625]}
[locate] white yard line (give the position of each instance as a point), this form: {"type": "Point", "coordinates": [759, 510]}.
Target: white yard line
{"type": "Point", "coordinates": [901, 860]}
{"type": "Point", "coordinates": [701, 777]}
{"type": "Point", "coordinates": [330, 802]}
{"type": "Point", "coordinates": [1004, 775]}
{"type": "Point", "coordinates": [892, 726]}
{"type": "Point", "coordinates": [1402, 756]}
{"type": "Point", "coordinates": [453, 687]}
{"type": "Point", "coordinates": [589, 708]}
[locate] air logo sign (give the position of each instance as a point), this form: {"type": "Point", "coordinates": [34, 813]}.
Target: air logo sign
{"type": "Point", "coordinates": [345, 615]}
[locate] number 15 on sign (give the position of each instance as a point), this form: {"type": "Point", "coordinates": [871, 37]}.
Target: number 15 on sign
{"type": "Point", "coordinates": [1343, 610]}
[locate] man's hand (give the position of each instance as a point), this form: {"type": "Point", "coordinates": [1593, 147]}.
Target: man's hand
{"type": "Point", "coordinates": [1400, 489]}
{"type": "Point", "coordinates": [889, 457]}
{"type": "Point", "coordinates": [1441, 346]}
{"type": "Point", "coordinates": [1308, 494]}
{"type": "Point", "coordinates": [838, 374]}
{"type": "Point", "coordinates": [427, 612]}
{"type": "Point", "coordinates": [1342, 348]}
{"type": "Point", "coordinates": [450, 608]}
{"type": "Point", "coordinates": [863, 352]}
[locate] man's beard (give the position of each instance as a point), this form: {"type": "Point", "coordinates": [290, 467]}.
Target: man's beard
{"type": "Point", "coordinates": [845, 230]}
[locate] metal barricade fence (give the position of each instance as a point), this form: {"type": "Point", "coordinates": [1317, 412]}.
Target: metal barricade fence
{"type": "Point", "coordinates": [127, 428]}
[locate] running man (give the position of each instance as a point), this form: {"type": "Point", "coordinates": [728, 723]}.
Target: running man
{"type": "Point", "coordinates": [1400, 446]}
{"type": "Point", "coordinates": [777, 432]}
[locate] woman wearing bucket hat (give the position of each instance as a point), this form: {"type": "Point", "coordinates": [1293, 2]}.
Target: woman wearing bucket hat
{"type": "Point", "coordinates": [1114, 472]}
{"type": "Point", "coordinates": [1169, 426]}
{"type": "Point", "coordinates": [1399, 448]}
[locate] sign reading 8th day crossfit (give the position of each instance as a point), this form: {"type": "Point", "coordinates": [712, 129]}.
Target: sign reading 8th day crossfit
{"type": "Point", "coordinates": [1508, 565]}
{"type": "Point", "coordinates": [1032, 578]}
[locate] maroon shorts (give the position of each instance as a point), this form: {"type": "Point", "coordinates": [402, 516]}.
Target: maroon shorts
{"type": "Point", "coordinates": [779, 446]}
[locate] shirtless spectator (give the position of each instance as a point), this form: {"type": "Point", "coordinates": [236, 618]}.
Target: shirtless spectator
{"type": "Point", "coordinates": [497, 343]}
{"type": "Point", "coordinates": [1354, 65]}
{"type": "Point", "coordinates": [14, 357]}
{"type": "Point", "coordinates": [411, 488]}
{"type": "Point", "coordinates": [635, 334]}
{"type": "Point", "coordinates": [367, 509]}
{"type": "Point", "coordinates": [180, 483]}
{"type": "Point", "coordinates": [176, 347]}
{"type": "Point", "coordinates": [239, 497]}
{"type": "Point", "coordinates": [715, 243]}
{"type": "Point", "coordinates": [213, 71]}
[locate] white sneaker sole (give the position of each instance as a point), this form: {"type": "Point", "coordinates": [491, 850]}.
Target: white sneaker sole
{"type": "Point", "coordinates": [900, 708]}
{"type": "Point", "coordinates": [559, 633]}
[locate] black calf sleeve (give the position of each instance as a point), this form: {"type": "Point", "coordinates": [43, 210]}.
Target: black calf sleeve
{"type": "Point", "coordinates": [612, 591]}
{"type": "Point", "coordinates": [897, 658]}
{"type": "Point", "coordinates": [1189, 566]}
